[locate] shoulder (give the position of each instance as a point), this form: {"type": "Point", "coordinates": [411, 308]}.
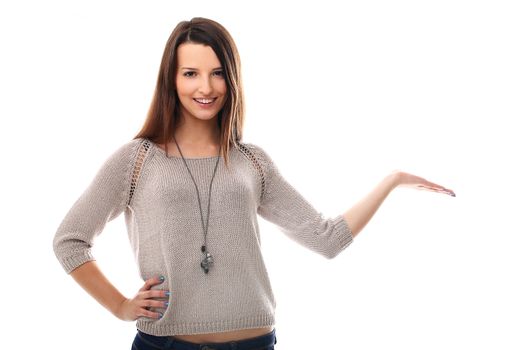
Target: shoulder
{"type": "Point", "coordinates": [257, 149]}
{"type": "Point", "coordinates": [136, 145]}
{"type": "Point", "coordinates": [258, 155]}
{"type": "Point", "coordinates": [128, 148]}
{"type": "Point", "coordinates": [123, 156]}
{"type": "Point", "coordinates": [252, 150]}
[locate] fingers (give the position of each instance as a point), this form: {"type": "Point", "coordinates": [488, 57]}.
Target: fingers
{"type": "Point", "coordinates": [154, 294]}
{"type": "Point", "coordinates": [430, 186]}
{"type": "Point", "coordinates": [151, 282]}
{"type": "Point", "coordinates": [147, 298]}
{"type": "Point", "coordinates": [436, 188]}
{"type": "Point", "coordinates": [146, 313]}
{"type": "Point", "coordinates": [144, 301]}
{"type": "Point", "coordinates": [410, 180]}
{"type": "Point", "coordinates": [154, 303]}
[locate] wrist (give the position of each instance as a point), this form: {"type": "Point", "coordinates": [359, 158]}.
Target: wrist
{"type": "Point", "coordinates": [393, 180]}
{"type": "Point", "coordinates": [116, 309]}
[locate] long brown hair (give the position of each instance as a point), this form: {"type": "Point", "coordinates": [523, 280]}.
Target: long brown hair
{"type": "Point", "coordinates": [164, 112]}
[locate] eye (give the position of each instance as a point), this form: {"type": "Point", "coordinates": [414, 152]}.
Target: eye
{"type": "Point", "coordinates": [186, 74]}
{"type": "Point", "coordinates": [219, 73]}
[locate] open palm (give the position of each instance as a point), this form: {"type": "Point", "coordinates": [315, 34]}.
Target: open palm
{"type": "Point", "coordinates": [410, 180]}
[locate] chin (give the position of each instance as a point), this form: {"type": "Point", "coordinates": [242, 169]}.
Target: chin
{"type": "Point", "coordinates": [205, 118]}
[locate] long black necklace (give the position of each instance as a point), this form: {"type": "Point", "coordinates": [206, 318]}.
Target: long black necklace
{"type": "Point", "coordinates": [207, 262]}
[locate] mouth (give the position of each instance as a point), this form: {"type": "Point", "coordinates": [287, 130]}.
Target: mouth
{"type": "Point", "coordinates": [205, 101]}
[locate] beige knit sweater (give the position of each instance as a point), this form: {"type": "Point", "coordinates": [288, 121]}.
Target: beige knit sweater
{"type": "Point", "coordinates": [164, 226]}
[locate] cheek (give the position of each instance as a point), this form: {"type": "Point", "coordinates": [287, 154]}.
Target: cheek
{"type": "Point", "coordinates": [183, 87]}
{"type": "Point", "coordinates": [221, 87]}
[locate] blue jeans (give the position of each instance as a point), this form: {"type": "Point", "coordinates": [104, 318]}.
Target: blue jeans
{"type": "Point", "coordinates": [145, 341]}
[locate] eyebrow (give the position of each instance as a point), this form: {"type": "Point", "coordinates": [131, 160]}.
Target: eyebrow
{"type": "Point", "coordinates": [197, 69]}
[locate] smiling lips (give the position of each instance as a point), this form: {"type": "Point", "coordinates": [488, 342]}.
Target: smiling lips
{"type": "Point", "coordinates": [205, 101]}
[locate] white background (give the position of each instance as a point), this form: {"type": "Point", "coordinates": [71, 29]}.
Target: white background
{"type": "Point", "coordinates": [339, 95]}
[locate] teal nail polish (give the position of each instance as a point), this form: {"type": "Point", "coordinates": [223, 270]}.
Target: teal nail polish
{"type": "Point", "coordinates": [167, 304]}
{"type": "Point", "coordinates": [168, 294]}
{"type": "Point", "coordinates": [161, 278]}
{"type": "Point", "coordinates": [160, 315]}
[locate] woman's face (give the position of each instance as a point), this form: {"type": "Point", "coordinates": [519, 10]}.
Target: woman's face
{"type": "Point", "coordinates": [199, 76]}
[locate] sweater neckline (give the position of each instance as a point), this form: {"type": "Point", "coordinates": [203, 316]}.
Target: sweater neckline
{"type": "Point", "coordinates": [159, 149]}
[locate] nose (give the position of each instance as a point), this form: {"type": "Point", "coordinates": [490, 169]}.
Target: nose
{"type": "Point", "coordinates": [205, 86]}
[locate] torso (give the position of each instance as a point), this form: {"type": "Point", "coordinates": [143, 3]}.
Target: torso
{"type": "Point", "coordinates": [224, 336]}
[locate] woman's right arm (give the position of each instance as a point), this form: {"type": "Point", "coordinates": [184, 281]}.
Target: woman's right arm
{"type": "Point", "coordinates": [102, 201]}
{"type": "Point", "coordinates": [94, 282]}
{"type": "Point", "coordinates": [91, 278]}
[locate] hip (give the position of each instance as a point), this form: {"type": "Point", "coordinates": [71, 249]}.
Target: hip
{"type": "Point", "coordinates": [228, 336]}
{"type": "Point", "coordinates": [144, 341]}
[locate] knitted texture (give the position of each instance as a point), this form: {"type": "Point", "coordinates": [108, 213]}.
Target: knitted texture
{"type": "Point", "coordinates": [163, 222]}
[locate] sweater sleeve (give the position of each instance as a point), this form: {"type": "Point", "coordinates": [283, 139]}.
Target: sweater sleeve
{"type": "Point", "coordinates": [284, 206]}
{"type": "Point", "coordinates": [102, 201]}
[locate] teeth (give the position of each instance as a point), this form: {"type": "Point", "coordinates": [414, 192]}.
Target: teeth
{"type": "Point", "coordinates": [204, 100]}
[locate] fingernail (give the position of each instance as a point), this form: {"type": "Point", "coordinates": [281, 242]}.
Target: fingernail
{"type": "Point", "coordinates": [167, 304]}
{"type": "Point", "coordinates": [161, 278]}
{"type": "Point", "coordinates": [168, 294]}
{"type": "Point", "coordinates": [160, 315]}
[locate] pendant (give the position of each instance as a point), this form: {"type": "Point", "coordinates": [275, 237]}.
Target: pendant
{"type": "Point", "coordinates": [207, 262]}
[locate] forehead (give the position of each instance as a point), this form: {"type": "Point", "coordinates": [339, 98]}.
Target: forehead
{"type": "Point", "coordinates": [197, 56]}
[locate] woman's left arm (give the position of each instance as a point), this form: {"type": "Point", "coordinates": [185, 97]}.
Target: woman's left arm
{"type": "Point", "coordinates": [359, 215]}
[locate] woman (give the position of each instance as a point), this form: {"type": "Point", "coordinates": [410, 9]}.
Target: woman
{"type": "Point", "coordinates": [190, 190]}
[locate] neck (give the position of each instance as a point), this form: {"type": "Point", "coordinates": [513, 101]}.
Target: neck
{"type": "Point", "coordinates": [198, 133]}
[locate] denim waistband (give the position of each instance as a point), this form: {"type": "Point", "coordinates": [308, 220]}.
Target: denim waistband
{"type": "Point", "coordinates": [167, 343]}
